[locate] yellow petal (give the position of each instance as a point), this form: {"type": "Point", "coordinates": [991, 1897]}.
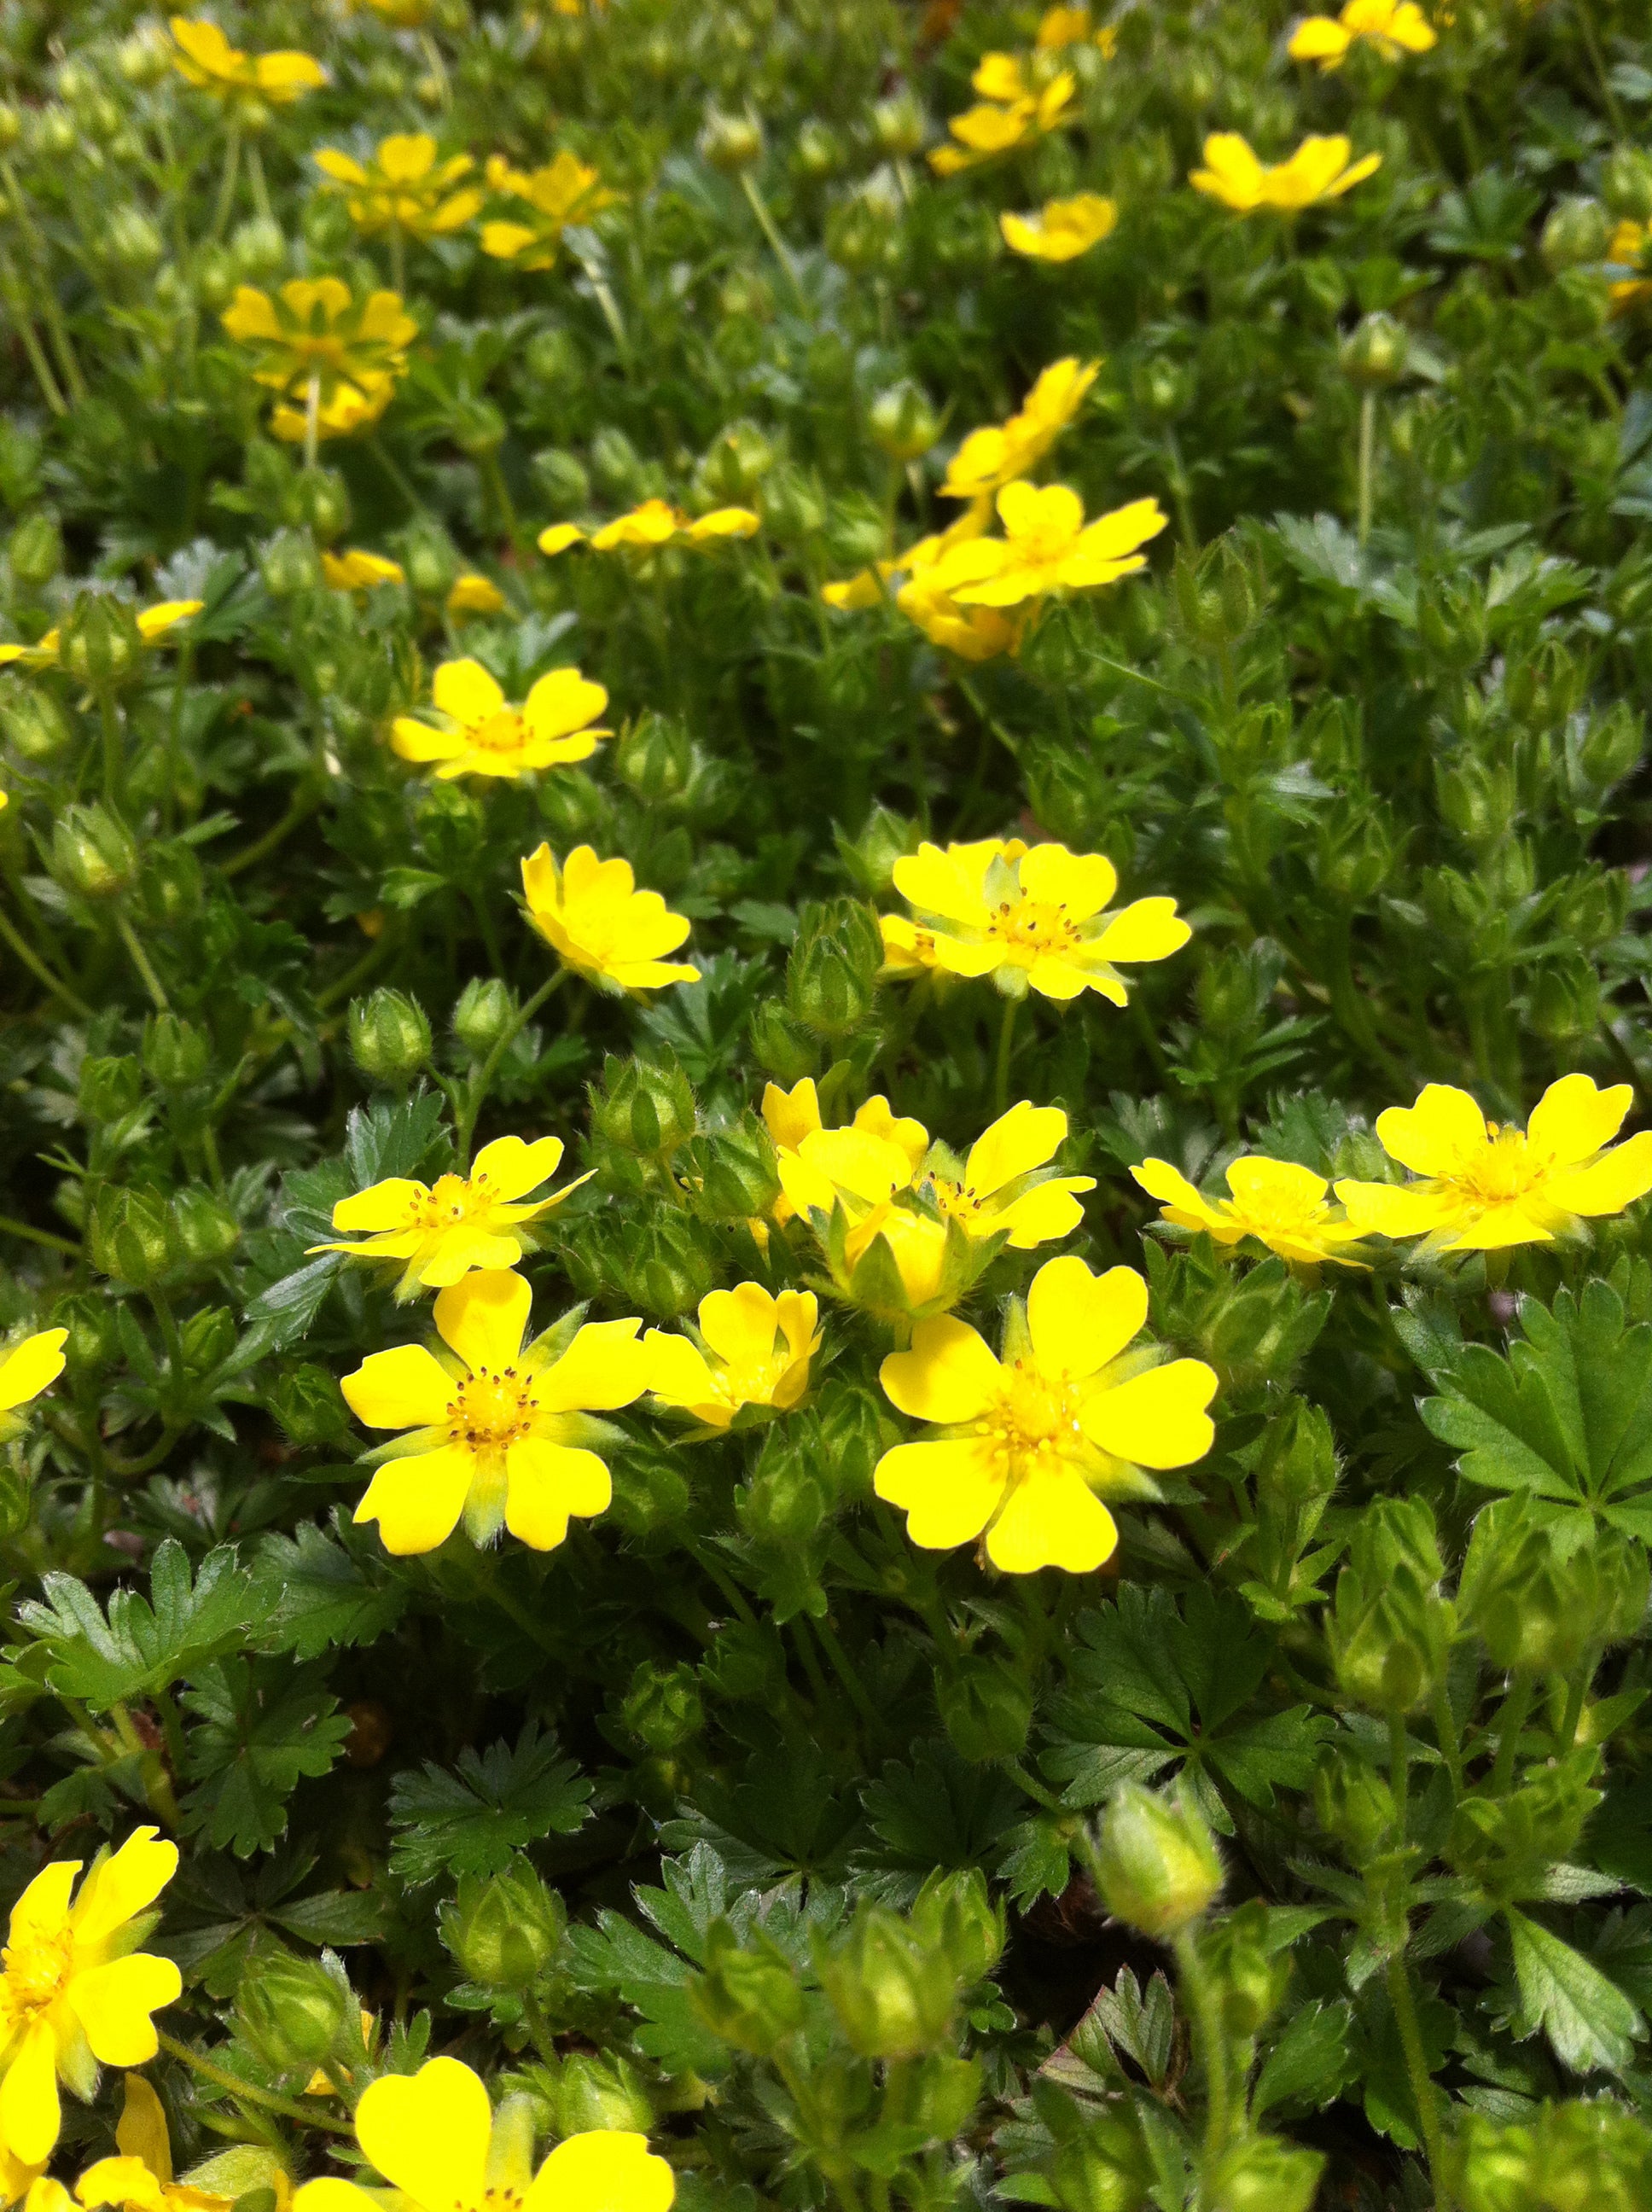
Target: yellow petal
{"type": "Point", "coordinates": [34, 1364]}
{"type": "Point", "coordinates": [382, 1206]}
{"type": "Point", "coordinates": [1148, 929]}
{"type": "Point", "coordinates": [545, 1483]}
{"type": "Point", "coordinates": [1437, 1136]}
{"type": "Point", "coordinates": [1079, 1322]}
{"type": "Point", "coordinates": [124, 2181]}
{"type": "Point", "coordinates": [1386, 1209]}
{"type": "Point", "coordinates": [30, 2115]}
{"type": "Point", "coordinates": [1052, 1519]}
{"type": "Point", "coordinates": [429, 2134]}
{"type": "Point", "coordinates": [1039, 1216]}
{"type": "Point", "coordinates": [948, 1488]}
{"type": "Point", "coordinates": [485, 1318]}
{"type": "Point", "coordinates": [678, 1373]}
{"type": "Point", "coordinates": [562, 701]}
{"type": "Point", "coordinates": [465, 689]}
{"type": "Point", "coordinates": [402, 1389]}
{"type": "Point", "coordinates": [607, 2170]}
{"type": "Point", "coordinates": [1155, 1419]}
{"type": "Point", "coordinates": [560, 535]}
{"type": "Point", "coordinates": [141, 2132]}
{"type": "Point", "coordinates": [603, 1367]}
{"type": "Point", "coordinates": [1023, 1139]}
{"type": "Point", "coordinates": [947, 883]}
{"type": "Point", "coordinates": [416, 1502]}
{"type": "Point", "coordinates": [1607, 1185]}
{"type": "Point", "coordinates": [1317, 38]}
{"type": "Point", "coordinates": [41, 1913]}
{"type": "Point", "coordinates": [1257, 1181]}
{"type": "Point", "coordinates": [331, 2194]}
{"type": "Point", "coordinates": [739, 1325]}
{"type": "Point", "coordinates": [791, 1114]}
{"type": "Point", "coordinates": [125, 1885]}
{"type": "Point", "coordinates": [1081, 882]}
{"type": "Point", "coordinates": [513, 1168]}
{"type": "Point", "coordinates": [1173, 1190]}
{"type": "Point", "coordinates": [1573, 1119]}
{"type": "Point", "coordinates": [949, 1375]}
{"type": "Point", "coordinates": [113, 2003]}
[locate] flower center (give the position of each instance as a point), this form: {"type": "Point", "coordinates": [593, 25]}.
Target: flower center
{"type": "Point", "coordinates": [1034, 1423]}
{"type": "Point", "coordinates": [1505, 1169]}
{"type": "Point", "coordinates": [501, 734]}
{"type": "Point", "coordinates": [36, 1970]}
{"type": "Point", "coordinates": [959, 1201]}
{"type": "Point", "coordinates": [490, 1411]}
{"type": "Point", "coordinates": [1028, 929]}
{"type": "Point", "coordinates": [450, 1201]}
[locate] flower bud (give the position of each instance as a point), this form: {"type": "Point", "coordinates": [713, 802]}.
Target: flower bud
{"type": "Point", "coordinates": [1389, 1629]}
{"type": "Point", "coordinates": [831, 973]}
{"type": "Point", "coordinates": [389, 1037]}
{"type": "Point", "coordinates": [129, 1236]}
{"type": "Point", "coordinates": [793, 504]}
{"type": "Point", "coordinates": [750, 1998]}
{"type": "Point", "coordinates": [817, 151]}
{"type": "Point", "coordinates": [1375, 354]}
{"type": "Point", "coordinates": [1156, 1864]}
{"type": "Point", "coordinates": [562, 479]}
{"type": "Point", "coordinates": [429, 561]}
{"type": "Point", "coordinates": [1263, 2175]}
{"type": "Point", "coordinates": [736, 462]}
{"type": "Point", "coordinates": [781, 1046]}
{"type": "Point", "coordinates": [1249, 1971]}
{"type": "Point", "coordinates": [504, 1931]}
{"type": "Point", "coordinates": [203, 1230]}
{"type": "Point", "coordinates": [310, 1407]}
{"type": "Point", "coordinates": [986, 1707]}
{"type": "Point", "coordinates": [322, 504]}
{"type": "Point", "coordinates": [956, 1911]}
{"type": "Point", "coordinates": [1564, 1001]}
{"type": "Point", "coordinates": [90, 1317]}
{"type": "Point", "coordinates": [655, 757]}
{"type": "Point", "coordinates": [662, 1708]}
{"type": "Point", "coordinates": [644, 1106]}
{"type": "Point", "coordinates": [594, 2092]}
{"type": "Point", "coordinates": [144, 59]}
{"type": "Point", "coordinates": [109, 1088]}
{"type": "Point", "coordinates": [51, 134]}
{"type": "Point", "coordinates": [11, 126]}
{"type": "Point", "coordinates": [290, 2011]}
{"type": "Point", "coordinates": [477, 426]}
{"type": "Point", "coordinates": [215, 277]}
{"type": "Point", "coordinates": [862, 232]}
{"type": "Point", "coordinates": [102, 646]}
{"type": "Point", "coordinates": [258, 249]}
{"type": "Point", "coordinates": [485, 1010]}
{"type": "Point", "coordinates": [894, 1994]}
{"type": "Point", "coordinates": [32, 722]}
{"type": "Point", "coordinates": [35, 550]}
{"type": "Point", "coordinates": [1577, 232]}
{"type": "Point", "coordinates": [91, 853]}
{"type": "Point", "coordinates": [1162, 389]}
{"type": "Point", "coordinates": [731, 142]}
{"type": "Point", "coordinates": [616, 463]}
{"type": "Point", "coordinates": [1627, 184]}
{"type": "Point", "coordinates": [898, 126]}
{"type": "Point", "coordinates": [902, 422]}
{"type": "Point", "coordinates": [130, 242]}
{"type": "Point", "coordinates": [551, 358]}
{"type": "Point", "coordinates": [172, 884]}
{"type": "Point", "coordinates": [785, 1501]}
{"type": "Point", "coordinates": [176, 1054]}
{"type": "Point", "coordinates": [208, 1339]}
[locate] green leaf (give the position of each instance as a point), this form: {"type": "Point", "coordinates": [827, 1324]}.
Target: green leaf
{"type": "Point", "coordinates": [311, 1594]}
{"type": "Point", "coordinates": [1590, 2024]}
{"type": "Point", "coordinates": [621, 1959]}
{"type": "Point", "coordinates": [499, 1802]}
{"type": "Point", "coordinates": [263, 1728]}
{"type": "Point", "coordinates": [142, 1645]}
{"type": "Point", "coordinates": [1312, 2061]}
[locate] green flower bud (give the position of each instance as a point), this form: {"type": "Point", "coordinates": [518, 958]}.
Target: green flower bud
{"type": "Point", "coordinates": [289, 564]}
{"type": "Point", "coordinates": [91, 853]}
{"type": "Point", "coordinates": [732, 1173]}
{"type": "Point", "coordinates": [35, 550]}
{"type": "Point", "coordinates": [176, 1054]}
{"type": "Point", "coordinates": [793, 503]}
{"type": "Point", "coordinates": [747, 1997]}
{"type": "Point", "coordinates": [1355, 1806]}
{"type": "Point", "coordinates": [601, 2092]}
{"type": "Point", "coordinates": [102, 646]}
{"type": "Point", "coordinates": [51, 134]}
{"type": "Point", "coordinates": [817, 151]}
{"type": "Point", "coordinates": [1582, 2156]}
{"type": "Point", "coordinates": [258, 249]}
{"type": "Point", "coordinates": [1540, 1597]}
{"type": "Point", "coordinates": [429, 561]}
{"type": "Point", "coordinates": [389, 1037]}
{"type": "Point", "coordinates": [90, 1317]}
{"type": "Point", "coordinates": [11, 126]}
{"type": "Point", "coordinates": [504, 1931]}
{"type": "Point", "coordinates": [735, 463]}
{"type": "Point", "coordinates": [551, 358]}
{"type": "Point", "coordinates": [668, 1267]}
{"type": "Point", "coordinates": [1612, 746]}
{"type": "Point", "coordinates": [308, 1402]}
{"type": "Point", "coordinates": [1264, 2175]}
{"type": "Point", "coordinates": [615, 464]}
{"type": "Point", "coordinates": [956, 1911]}
{"type": "Point", "coordinates": [563, 480]}
{"type": "Point", "coordinates": [1376, 352]}
{"type": "Point", "coordinates": [898, 126]}
{"type": "Point", "coordinates": [203, 1230]}
{"type": "Point", "coordinates": [109, 1089]}
{"type": "Point", "coordinates": [1389, 1629]}
{"type": "Point", "coordinates": [1156, 1864]}
{"type": "Point", "coordinates": [986, 1707]}
{"type": "Point", "coordinates": [785, 1501]}
{"type": "Point", "coordinates": [655, 757]}
{"type": "Point", "coordinates": [34, 721]}
{"type": "Point", "coordinates": [1626, 183]}
{"type": "Point", "coordinates": [902, 422]}
{"type": "Point", "coordinates": [644, 1106]}
{"type": "Point", "coordinates": [662, 1709]}
{"type": "Point", "coordinates": [1451, 622]}
{"type": "Point", "coordinates": [1578, 231]}
{"type": "Point", "coordinates": [1564, 1001]}
{"type": "Point", "coordinates": [321, 503]}
{"type": "Point", "coordinates": [731, 142]}
{"type": "Point", "coordinates": [144, 59]}
{"type": "Point", "coordinates": [781, 1046]}
{"type": "Point", "coordinates": [894, 1994]}
{"type": "Point", "coordinates": [1249, 1971]}
{"type": "Point", "coordinates": [208, 1339]}
{"type": "Point", "coordinates": [862, 232]}
{"type": "Point", "coordinates": [477, 426]}
{"type": "Point", "coordinates": [172, 884]}
{"type": "Point", "coordinates": [291, 2011]}
{"type": "Point", "coordinates": [131, 1240]}
{"type": "Point", "coordinates": [1162, 389]}
{"type": "Point", "coordinates": [130, 243]}
{"type": "Point", "coordinates": [215, 276]}
{"type": "Point", "coordinates": [831, 974]}
{"type": "Point", "coordinates": [485, 1010]}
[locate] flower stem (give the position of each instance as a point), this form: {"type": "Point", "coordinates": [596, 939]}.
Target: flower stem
{"type": "Point", "coordinates": [10, 1228]}
{"type": "Point", "coordinates": [1367, 456]}
{"type": "Point", "coordinates": [1005, 1049]}
{"type": "Point", "coordinates": [311, 418]}
{"type": "Point", "coordinates": [770, 231]}
{"type": "Point", "coordinates": [41, 973]}
{"type": "Point", "coordinates": [1511, 1719]}
{"type": "Point", "coordinates": [1206, 2008]}
{"type": "Point", "coordinates": [1417, 2073]}
{"type": "Point", "coordinates": [289, 2107]}
{"type": "Point", "coordinates": [151, 982]}
{"type": "Point", "coordinates": [227, 184]}
{"type": "Point", "coordinates": [489, 1067]}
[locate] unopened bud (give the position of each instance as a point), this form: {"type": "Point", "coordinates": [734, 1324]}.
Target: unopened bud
{"type": "Point", "coordinates": [32, 722]}
{"type": "Point", "coordinates": [898, 127]}
{"type": "Point", "coordinates": [894, 1994]}
{"type": "Point", "coordinates": [486, 1008]}
{"type": "Point", "coordinates": [109, 1087]}
{"type": "Point", "coordinates": [1375, 353]}
{"type": "Point", "coordinates": [731, 142]}
{"type": "Point", "coordinates": [551, 358]}
{"type": "Point", "coordinates": [736, 462]}
{"type": "Point", "coordinates": [322, 503]}
{"type": "Point", "coordinates": [986, 1707]}
{"type": "Point", "coordinates": [504, 1931]}
{"type": "Point", "coordinates": [130, 242]}
{"type": "Point", "coordinates": [130, 1240]}
{"type": "Point", "coordinates": [663, 1708]}
{"type": "Point", "coordinates": [902, 422]}
{"type": "Point", "coordinates": [429, 562]}
{"type": "Point", "coordinates": [1627, 184]}
{"type": "Point", "coordinates": [615, 464]}
{"type": "Point", "coordinates": [91, 853]}
{"type": "Point", "coordinates": [655, 758]}
{"type": "Point", "coordinates": [290, 2011]}
{"type": "Point", "coordinates": [258, 249]}
{"type": "Point", "coordinates": [816, 152]}
{"type": "Point", "coordinates": [1155, 1863]}
{"type": "Point", "coordinates": [102, 646]}
{"type": "Point", "coordinates": [750, 1998]}
{"type": "Point", "coordinates": [731, 1172]}
{"type": "Point", "coordinates": [203, 1230]}
{"type": "Point", "coordinates": [1578, 232]}
{"type": "Point", "coordinates": [389, 1037]}
{"type": "Point", "coordinates": [643, 1107]}
{"type": "Point", "coordinates": [1263, 2175]}
{"type": "Point", "coordinates": [782, 1046]}
{"type": "Point", "coordinates": [35, 550]}
{"type": "Point", "coordinates": [477, 428]}
{"type": "Point", "coordinates": [176, 1054]}
{"type": "Point", "coordinates": [831, 974]}
{"type": "Point", "coordinates": [594, 2092]}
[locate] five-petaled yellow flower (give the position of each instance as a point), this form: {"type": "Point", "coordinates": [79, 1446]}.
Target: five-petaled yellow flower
{"type": "Point", "coordinates": [1062, 229]}
{"type": "Point", "coordinates": [566, 190]}
{"type": "Point", "coordinates": [153, 624]}
{"type": "Point", "coordinates": [1032, 917]}
{"type": "Point", "coordinates": [648, 527]}
{"type": "Point", "coordinates": [592, 916]}
{"type": "Point", "coordinates": [462, 1222]}
{"type": "Point", "coordinates": [314, 333]}
{"type": "Point", "coordinates": [77, 1992]}
{"type": "Point", "coordinates": [790, 1116]}
{"type": "Point", "coordinates": [480, 733]}
{"type": "Point", "coordinates": [30, 1367]}
{"type": "Point", "coordinates": [1047, 547]}
{"type": "Point", "coordinates": [357, 570]}
{"type": "Point", "coordinates": [1393, 27]}
{"type": "Point", "coordinates": [403, 187]}
{"type": "Point", "coordinates": [1070, 27]}
{"type": "Point", "coordinates": [141, 2178]}
{"type": "Point", "coordinates": [1282, 1205]}
{"type": "Point", "coordinates": [751, 1348]}
{"type": "Point", "coordinates": [1030, 1440]}
{"type": "Point", "coordinates": [971, 633]}
{"type": "Point", "coordinates": [434, 2137]}
{"type": "Point", "coordinates": [502, 1430]}
{"type": "Point", "coordinates": [1483, 1187]}
{"type": "Point", "coordinates": [348, 410]}
{"type": "Point", "coordinates": [1013, 114]}
{"type": "Point", "coordinates": [206, 58]}
{"type": "Point", "coordinates": [1320, 169]}
{"type": "Point", "coordinates": [1006, 1184]}
{"type": "Point", "coordinates": [472, 594]}
{"type": "Point", "coordinates": [998, 455]}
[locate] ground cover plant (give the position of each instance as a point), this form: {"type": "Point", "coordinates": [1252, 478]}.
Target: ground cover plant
{"type": "Point", "coordinates": [827, 1367]}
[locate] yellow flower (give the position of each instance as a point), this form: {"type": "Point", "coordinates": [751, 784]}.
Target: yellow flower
{"type": "Point", "coordinates": [29, 1368]}
{"type": "Point", "coordinates": [1320, 169]}
{"type": "Point", "coordinates": [359, 571]}
{"type": "Point", "coordinates": [1485, 1188]}
{"type": "Point", "coordinates": [1394, 28]}
{"type": "Point", "coordinates": [1070, 27]}
{"type": "Point", "coordinates": [349, 409]}
{"type": "Point", "coordinates": [1063, 229]}
{"type": "Point", "coordinates": [501, 1430]}
{"type": "Point", "coordinates": [461, 1222]}
{"type": "Point", "coordinates": [1627, 250]}
{"type": "Point", "coordinates": [141, 2178]}
{"type": "Point", "coordinates": [971, 633]}
{"type": "Point", "coordinates": [432, 2136]}
{"type": "Point", "coordinates": [1000, 126]}
{"type": "Point", "coordinates": [759, 1348]}
{"type": "Point", "coordinates": [567, 190]}
{"type": "Point", "coordinates": [482, 734]}
{"type": "Point", "coordinates": [1048, 546]}
{"type": "Point", "coordinates": [402, 187]}
{"type": "Point", "coordinates": [1028, 916]}
{"type": "Point", "coordinates": [1029, 1441]}
{"type": "Point", "coordinates": [475, 595]}
{"type": "Point", "coordinates": [792, 1115]}
{"type": "Point", "coordinates": [597, 922]}
{"type": "Point", "coordinates": [77, 1992]}
{"type": "Point", "coordinates": [1282, 1205]}
{"type": "Point", "coordinates": [313, 329]}
{"type": "Point", "coordinates": [996, 456]}
{"type": "Point", "coordinates": [1005, 1185]}
{"type": "Point", "coordinates": [648, 527]}
{"type": "Point", "coordinates": [405, 14]}
{"type": "Point", "coordinates": [206, 59]}
{"type": "Point", "coordinates": [153, 624]}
